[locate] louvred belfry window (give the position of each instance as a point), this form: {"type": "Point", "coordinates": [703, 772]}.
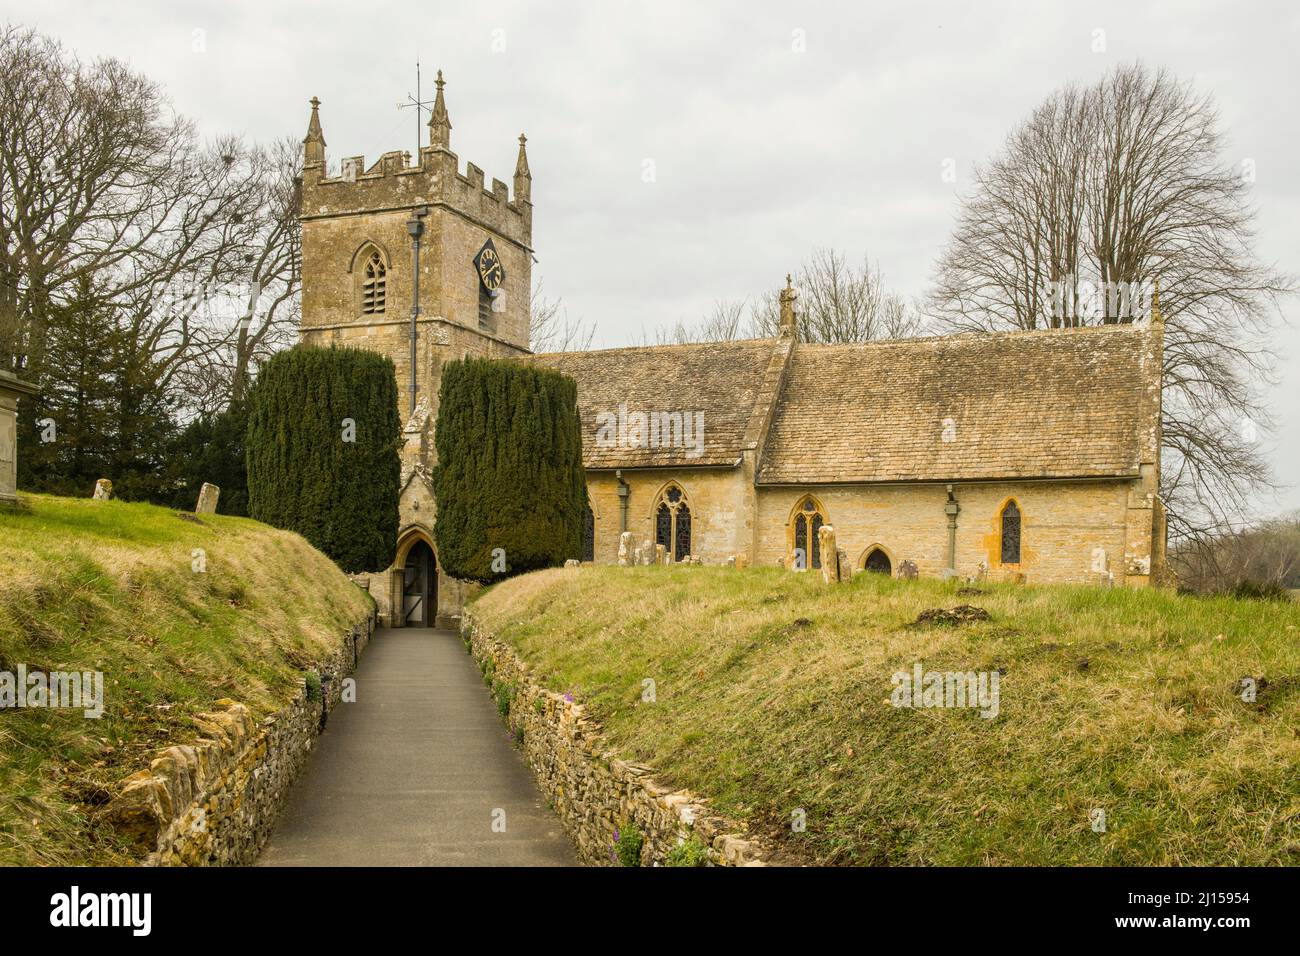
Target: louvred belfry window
{"type": "Point", "coordinates": [374, 284]}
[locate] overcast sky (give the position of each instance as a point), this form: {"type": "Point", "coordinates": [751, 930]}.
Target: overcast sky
{"type": "Point", "coordinates": [772, 128]}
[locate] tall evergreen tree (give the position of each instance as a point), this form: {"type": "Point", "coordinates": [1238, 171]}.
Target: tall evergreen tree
{"type": "Point", "coordinates": [101, 409]}
{"type": "Point", "coordinates": [509, 484]}
{"type": "Point", "coordinates": [322, 452]}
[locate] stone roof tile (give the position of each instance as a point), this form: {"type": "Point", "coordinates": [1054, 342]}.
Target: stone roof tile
{"type": "Point", "coordinates": [1045, 404]}
{"type": "Point", "coordinates": [719, 380]}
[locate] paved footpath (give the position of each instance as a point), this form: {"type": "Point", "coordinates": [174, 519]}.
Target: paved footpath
{"type": "Point", "coordinates": [411, 773]}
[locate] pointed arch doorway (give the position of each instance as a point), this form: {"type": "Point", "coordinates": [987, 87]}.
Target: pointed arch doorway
{"type": "Point", "coordinates": [415, 582]}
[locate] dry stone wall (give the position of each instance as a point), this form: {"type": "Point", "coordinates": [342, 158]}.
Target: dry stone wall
{"type": "Point", "coordinates": [595, 793]}
{"type": "Point", "coordinates": [213, 802]}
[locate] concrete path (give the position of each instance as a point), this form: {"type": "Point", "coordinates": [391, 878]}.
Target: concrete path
{"type": "Point", "coordinates": [412, 772]}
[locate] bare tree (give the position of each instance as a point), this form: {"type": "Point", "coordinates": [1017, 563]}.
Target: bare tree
{"type": "Point", "coordinates": [723, 323]}
{"type": "Point", "coordinates": [837, 303]}
{"type": "Point", "coordinates": [552, 330]}
{"type": "Point", "coordinates": [258, 312]}
{"type": "Point", "coordinates": [1260, 560]}
{"type": "Point", "coordinates": [100, 181]}
{"type": "Point", "coordinates": [1099, 193]}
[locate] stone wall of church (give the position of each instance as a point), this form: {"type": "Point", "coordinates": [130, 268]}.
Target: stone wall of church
{"type": "Point", "coordinates": [1068, 529]}
{"type": "Point", "coordinates": [455, 242]}
{"type": "Point", "coordinates": [1062, 525]}
{"type": "Point", "coordinates": [719, 523]}
{"type": "Point", "coordinates": [340, 216]}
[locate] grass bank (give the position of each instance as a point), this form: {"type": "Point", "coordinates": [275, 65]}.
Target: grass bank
{"type": "Point", "coordinates": [177, 612]}
{"type": "Point", "coordinates": [773, 695]}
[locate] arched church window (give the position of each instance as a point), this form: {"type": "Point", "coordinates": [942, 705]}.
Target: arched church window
{"type": "Point", "coordinates": [588, 533]}
{"type": "Point", "coordinates": [1011, 533]}
{"type": "Point", "coordinates": [374, 283]}
{"type": "Point", "coordinates": [806, 521]}
{"type": "Point", "coordinates": [673, 522]}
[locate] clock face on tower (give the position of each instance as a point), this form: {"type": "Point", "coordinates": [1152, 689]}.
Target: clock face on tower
{"type": "Point", "coordinates": [490, 271]}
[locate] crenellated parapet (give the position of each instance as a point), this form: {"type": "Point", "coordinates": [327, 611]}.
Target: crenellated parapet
{"type": "Point", "coordinates": [396, 181]}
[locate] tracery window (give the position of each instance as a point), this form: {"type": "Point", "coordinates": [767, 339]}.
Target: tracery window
{"type": "Point", "coordinates": [374, 283]}
{"type": "Point", "coordinates": [673, 522]}
{"type": "Point", "coordinates": [1011, 533]}
{"type": "Point", "coordinates": [807, 519]}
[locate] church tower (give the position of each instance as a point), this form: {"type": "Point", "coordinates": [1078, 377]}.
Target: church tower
{"type": "Point", "coordinates": [358, 285]}
{"type": "Point", "coordinates": [357, 252]}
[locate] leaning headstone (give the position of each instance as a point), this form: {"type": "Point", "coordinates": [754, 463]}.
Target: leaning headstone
{"type": "Point", "coordinates": [830, 562]}
{"type": "Point", "coordinates": [625, 549]}
{"type": "Point", "coordinates": [103, 490]}
{"type": "Point", "coordinates": [907, 570]}
{"type": "Point", "coordinates": [208, 496]}
{"type": "Point", "coordinates": [846, 569]}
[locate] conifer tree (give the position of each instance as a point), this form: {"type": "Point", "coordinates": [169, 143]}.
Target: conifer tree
{"type": "Point", "coordinates": [322, 452]}
{"type": "Point", "coordinates": [509, 485]}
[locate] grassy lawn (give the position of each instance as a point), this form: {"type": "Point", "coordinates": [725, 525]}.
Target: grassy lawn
{"type": "Point", "coordinates": [773, 695]}
{"type": "Point", "coordinates": [112, 587]}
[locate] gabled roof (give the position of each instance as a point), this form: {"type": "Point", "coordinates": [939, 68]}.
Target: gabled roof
{"type": "Point", "coordinates": [1046, 404]}
{"type": "Point", "coordinates": [721, 380]}
{"type": "Point", "coordinates": [1065, 403]}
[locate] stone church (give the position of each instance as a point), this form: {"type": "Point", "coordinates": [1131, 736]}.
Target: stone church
{"type": "Point", "coordinates": [1026, 456]}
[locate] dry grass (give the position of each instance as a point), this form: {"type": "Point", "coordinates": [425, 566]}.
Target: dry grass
{"type": "Point", "coordinates": [110, 586]}
{"type": "Point", "coordinates": [773, 695]}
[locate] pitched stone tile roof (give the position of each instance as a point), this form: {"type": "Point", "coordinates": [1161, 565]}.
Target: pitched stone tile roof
{"type": "Point", "coordinates": [720, 380]}
{"type": "Point", "coordinates": [1047, 404]}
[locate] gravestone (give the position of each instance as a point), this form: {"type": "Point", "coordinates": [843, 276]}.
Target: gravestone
{"type": "Point", "coordinates": [829, 553]}
{"type": "Point", "coordinates": [208, 496]}
{"type": "Point", "coordinates": [103, 490]}
{"type": "Point", "coordinates": [626, 554]}
{"type": "Point", "coordinates": [907, 570]}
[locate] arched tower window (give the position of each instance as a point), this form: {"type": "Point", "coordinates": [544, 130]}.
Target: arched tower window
{"type": "Point", "coordinates": [673, 522]}
{"type": "Point", "coordinates": [1011, 533]}
{"type": "Point", "coordinates": [374, 282]}
{"type": "Point", "coordinates": [805, 521]}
